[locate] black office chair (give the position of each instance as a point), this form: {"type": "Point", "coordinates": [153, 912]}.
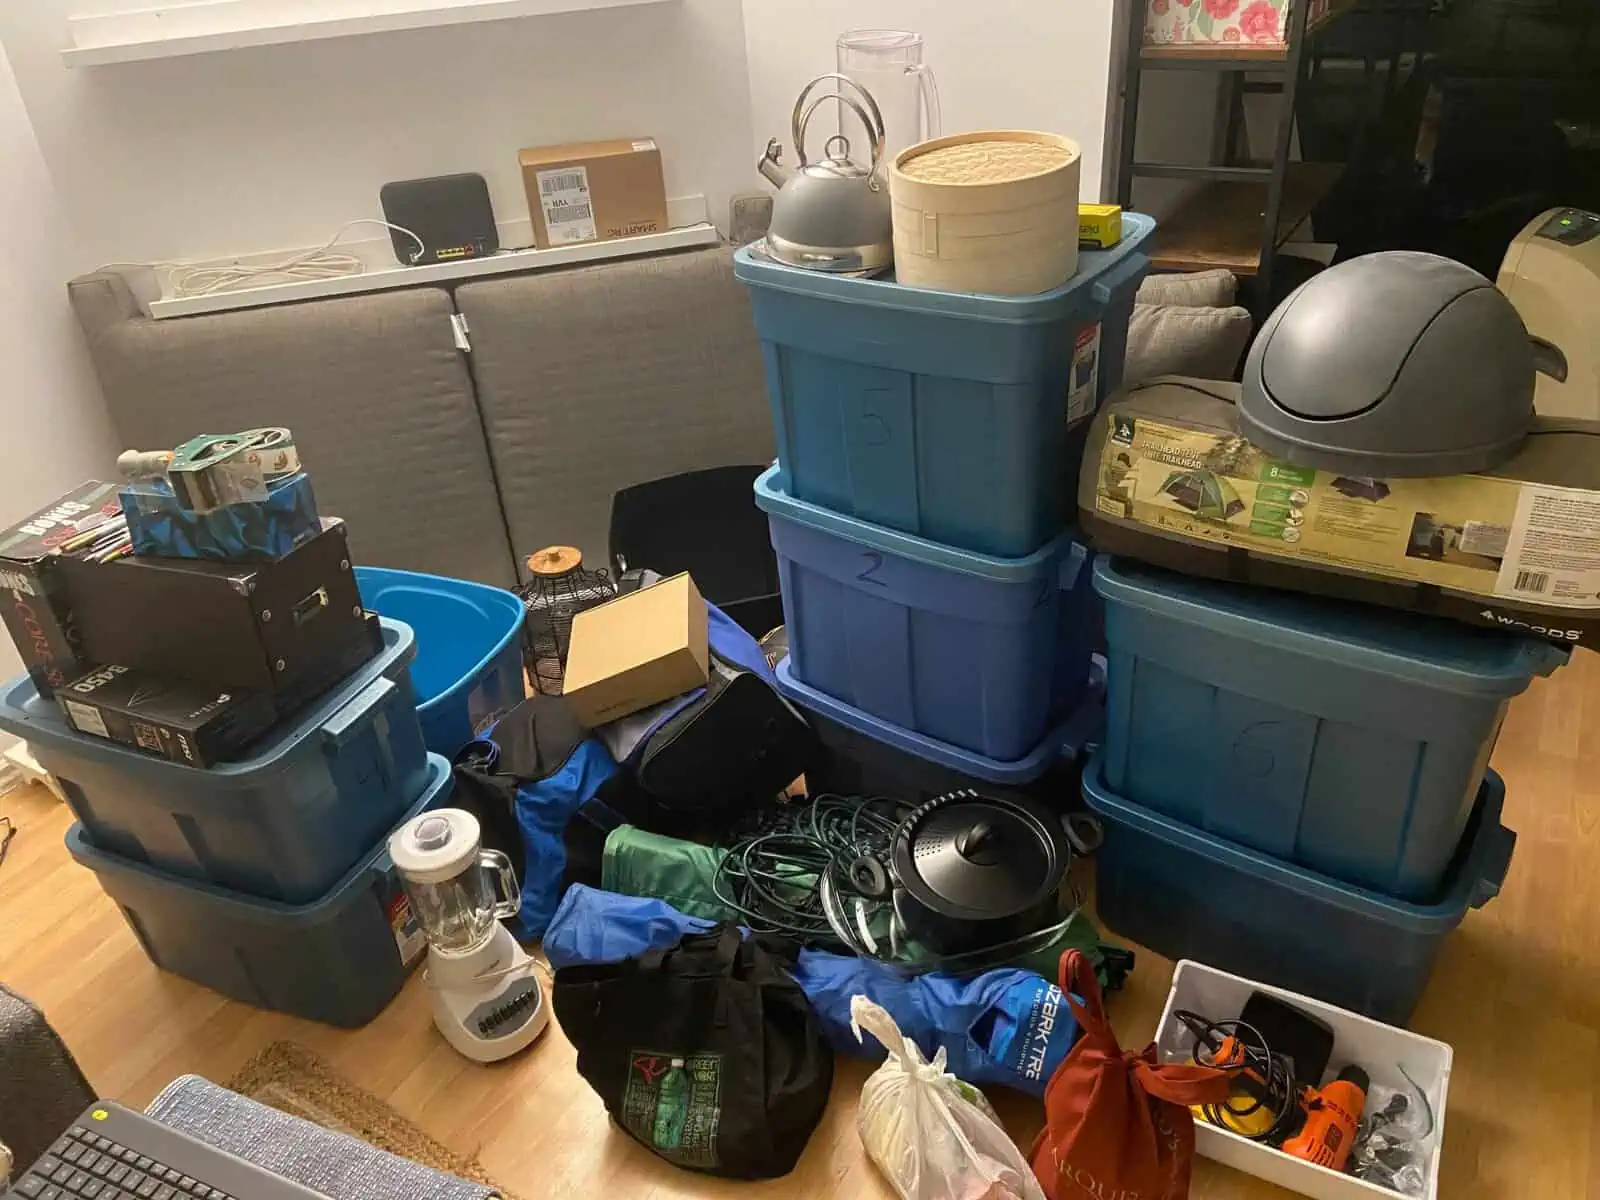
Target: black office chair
{"type": "Point", "coordinates": [705, 523]}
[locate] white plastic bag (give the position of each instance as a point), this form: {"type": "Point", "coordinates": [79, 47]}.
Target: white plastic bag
{"type": "Point", "coordinates": [933, 1136]}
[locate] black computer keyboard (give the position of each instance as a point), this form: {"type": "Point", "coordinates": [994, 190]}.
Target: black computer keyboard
{"type": "Point", "coordinates": [114, 1153]}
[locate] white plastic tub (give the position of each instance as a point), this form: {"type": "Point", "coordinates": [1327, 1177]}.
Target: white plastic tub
{"type": "Point", "coordinates": [1378, 1049]}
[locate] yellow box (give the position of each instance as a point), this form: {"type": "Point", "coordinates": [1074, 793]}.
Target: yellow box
{"type": "Point", "coordinates": [1099, 226]}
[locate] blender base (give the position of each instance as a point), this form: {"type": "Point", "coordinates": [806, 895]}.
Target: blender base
{"type": "Point", "coordinates": [488, 1003]}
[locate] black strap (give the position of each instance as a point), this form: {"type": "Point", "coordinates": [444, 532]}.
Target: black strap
{"type": "Point", "coordinates": [717, 947]}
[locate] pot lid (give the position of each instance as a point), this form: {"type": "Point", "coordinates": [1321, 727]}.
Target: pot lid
{"type": "Point", "coordinates": [1394, 364]}
{"type": "Point", "coordinates": [437, 846]}
{"type": "Point", "coordinates": [977, 857]}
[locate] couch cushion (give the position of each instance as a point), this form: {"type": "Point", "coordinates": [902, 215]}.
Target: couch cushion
{"type": "Point", "coordinates": [1195, 289]}
{"type": "Point", "coordinates": [597, 378]}
{"type": "Point", "coordinates": [1202, 342]}
{"type": "Point", "coordinates": [379, 398]}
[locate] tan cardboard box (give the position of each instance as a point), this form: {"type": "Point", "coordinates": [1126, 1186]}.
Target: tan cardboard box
{"type": "Point", "coordinates": [594, 191]}
{"type": "Point", "coordinates": [637, 650]}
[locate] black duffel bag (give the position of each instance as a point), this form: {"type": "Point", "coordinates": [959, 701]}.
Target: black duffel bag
{"type": "Point", "coordinates": [707, 1053]}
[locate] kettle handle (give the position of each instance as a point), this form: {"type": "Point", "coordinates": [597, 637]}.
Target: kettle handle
{"type": "Point", "coordinates": [874, 123]}
{"type": "Point", "coordinates": [877, 144]}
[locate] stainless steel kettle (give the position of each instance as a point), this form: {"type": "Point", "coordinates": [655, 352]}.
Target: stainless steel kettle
{"type": "Point", "coordinates": [831, 215]}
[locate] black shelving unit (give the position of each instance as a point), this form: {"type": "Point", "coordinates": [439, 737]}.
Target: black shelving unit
{"type": "Point", "coordinates": [1247, 209]}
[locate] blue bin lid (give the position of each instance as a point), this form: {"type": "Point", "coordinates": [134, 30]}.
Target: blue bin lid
{"type": "Point", "coordinates": [1065, 743]}
{"type": "Point", "coordinates": [34, 719]}
{"type": "Point", "coordinates": [884, 292]}
{"type": "Point", "coordinates": [1474, 879]}
{"type": "Point", "coordinates": [1432, 651]}
{"type": "Point", "coordinates": [1062, 554]}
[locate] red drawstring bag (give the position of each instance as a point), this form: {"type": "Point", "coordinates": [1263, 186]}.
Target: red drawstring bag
{"type": "Point", "coordinates": [1117, 1124]}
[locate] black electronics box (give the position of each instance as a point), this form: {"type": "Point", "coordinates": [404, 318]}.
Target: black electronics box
{"type": "Point", "coordinates": [192, 723]}
{"type": "Point", "coordinates": [173, 718]}
{"type": "Point", "coordinates": [275, 626]}
{"type": "Point", "coordinates": [450, 214]}
{"type": "Point", "coordinates": [33, 587]}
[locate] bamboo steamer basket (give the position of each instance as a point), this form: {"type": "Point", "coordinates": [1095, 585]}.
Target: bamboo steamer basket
{"type": "Point", "coordinates": [989, 220]}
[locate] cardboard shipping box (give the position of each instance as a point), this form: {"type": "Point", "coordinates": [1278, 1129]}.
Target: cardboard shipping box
{"type": "Point", "coordinates": [637, 650]}
{"type": "Point", "coordinates": [594, 191]}
{"type": "Point", "coordinates": [1168, 479]}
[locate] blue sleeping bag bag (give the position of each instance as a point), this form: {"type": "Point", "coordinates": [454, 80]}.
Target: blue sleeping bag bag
{"type": "Point", "coordinates": [1007, 1026]}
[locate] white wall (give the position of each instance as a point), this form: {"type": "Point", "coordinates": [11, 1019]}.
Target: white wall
{"type": "Point", "coordinates": [274, 147]}
{"type": "Point", "coordinates": [52, 421]}
{"type": "Point", "coordinates": [1004, 64]}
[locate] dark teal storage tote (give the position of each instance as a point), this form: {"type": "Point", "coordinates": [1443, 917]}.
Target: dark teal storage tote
{"type": "Point", "coordinates": [957, 417]}
{"type": "Point", "coordinates": [1187, 894]}
{"type": "Point", "coordinates": [1346, 739]}
{"type": "Point", "coordinates": [865, 756]}
{"type": "Point", "coordinates": [468, 669]}
{"type": "Point", "coordinates": [284, 823]}
{"type": "Point", "coordinates": [982, 653]}
{"type": "Point", "coordinates": [339, 959]}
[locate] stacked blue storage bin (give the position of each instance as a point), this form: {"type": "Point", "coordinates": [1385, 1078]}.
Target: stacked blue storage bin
{"type": "Point", "coordinates": [263, 878]}
{"type": "Point", "coordinates": [928, 444]}
{"type": "Point", "coordinates": [1295, 789]}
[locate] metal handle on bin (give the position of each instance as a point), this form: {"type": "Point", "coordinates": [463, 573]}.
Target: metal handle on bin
{"type": "Point", "coordinates": [505, 878]}
{"type": "Point", "coordinates": [341, 727]}
{"type": "Point", "coordinates": [1492, 862]}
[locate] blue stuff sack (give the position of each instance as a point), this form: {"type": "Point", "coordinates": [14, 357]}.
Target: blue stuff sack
{"type": "Point", "coordinates": [1007, 1026]}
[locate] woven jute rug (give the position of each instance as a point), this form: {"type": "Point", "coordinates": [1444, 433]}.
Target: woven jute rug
{"type": "Point", "coordinates": [292, 1079]}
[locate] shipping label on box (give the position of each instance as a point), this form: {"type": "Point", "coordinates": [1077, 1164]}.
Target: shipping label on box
{"type": "Point", "coordinates": [594, 191]}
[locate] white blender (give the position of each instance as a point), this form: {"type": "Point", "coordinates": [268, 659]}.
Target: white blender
{"type": "Point", "coordinates": [486, 999]}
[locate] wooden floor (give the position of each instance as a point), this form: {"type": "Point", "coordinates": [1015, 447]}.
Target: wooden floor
{"type": "Point", "coordinates": [1517, 993]}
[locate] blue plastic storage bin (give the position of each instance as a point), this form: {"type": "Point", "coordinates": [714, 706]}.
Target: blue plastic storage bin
{"type": "Point", "coordinates": [1187, 894]}
{"type": "Point", "coordinates": [339, 959]}
{"type": "Point", "coordinates": [468, 669]}
{"type": "Point", "coordinates": [1347, 739]}
{"type": "Point", "coordinates": [864, 756]}
{"type": "Point", "coordinates": [285, 823]}
{"type": "Point", "coordinates": [943, 414]}
{"type": "Point", "coordinates": [984, 653]}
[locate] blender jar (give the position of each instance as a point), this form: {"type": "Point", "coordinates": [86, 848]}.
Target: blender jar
{"type": "Point", "coordinates": [458, 890]}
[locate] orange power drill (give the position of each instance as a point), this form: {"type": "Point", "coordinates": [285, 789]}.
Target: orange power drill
{"type": "Point", "coordinates": [1332, 1116]}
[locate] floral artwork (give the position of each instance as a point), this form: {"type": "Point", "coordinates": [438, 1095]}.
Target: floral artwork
{"type": "Point", "coordinates": [1250, 22]}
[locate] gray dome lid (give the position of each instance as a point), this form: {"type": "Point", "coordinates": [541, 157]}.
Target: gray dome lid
{"type": "Point", "coordinates": [1394, 364]}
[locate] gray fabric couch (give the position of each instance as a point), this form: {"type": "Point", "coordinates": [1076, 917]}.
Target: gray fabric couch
{"type": "Point", "coordinates": [578, 382]}
{"type": "Point", "coordinates": [42, 1090]}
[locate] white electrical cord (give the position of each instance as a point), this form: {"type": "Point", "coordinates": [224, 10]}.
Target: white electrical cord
{"type": "Point", "coordinates": [207, 279]}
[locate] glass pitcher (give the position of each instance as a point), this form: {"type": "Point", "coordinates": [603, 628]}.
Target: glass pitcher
{"type": "Point", "coordinates": [459, 891]}
{"type": "Point", "coordinates": [888, 63]}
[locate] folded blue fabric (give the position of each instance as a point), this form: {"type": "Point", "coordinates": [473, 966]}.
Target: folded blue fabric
{"type": "Point", "coordinates": [1007, 1026]}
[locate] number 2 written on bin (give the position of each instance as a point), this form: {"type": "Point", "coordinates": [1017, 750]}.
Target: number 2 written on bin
{"type": "Point", "coordinates": [874, 562]}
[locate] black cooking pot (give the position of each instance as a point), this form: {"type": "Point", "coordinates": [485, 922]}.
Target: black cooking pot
{"type": "Point", "coordinates": [974, 871]}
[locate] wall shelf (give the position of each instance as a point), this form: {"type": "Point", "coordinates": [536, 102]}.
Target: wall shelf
{"type": "Point", "coordinates": [213, 25]}
{"type": "Point", "coordinates": [383, 275]}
